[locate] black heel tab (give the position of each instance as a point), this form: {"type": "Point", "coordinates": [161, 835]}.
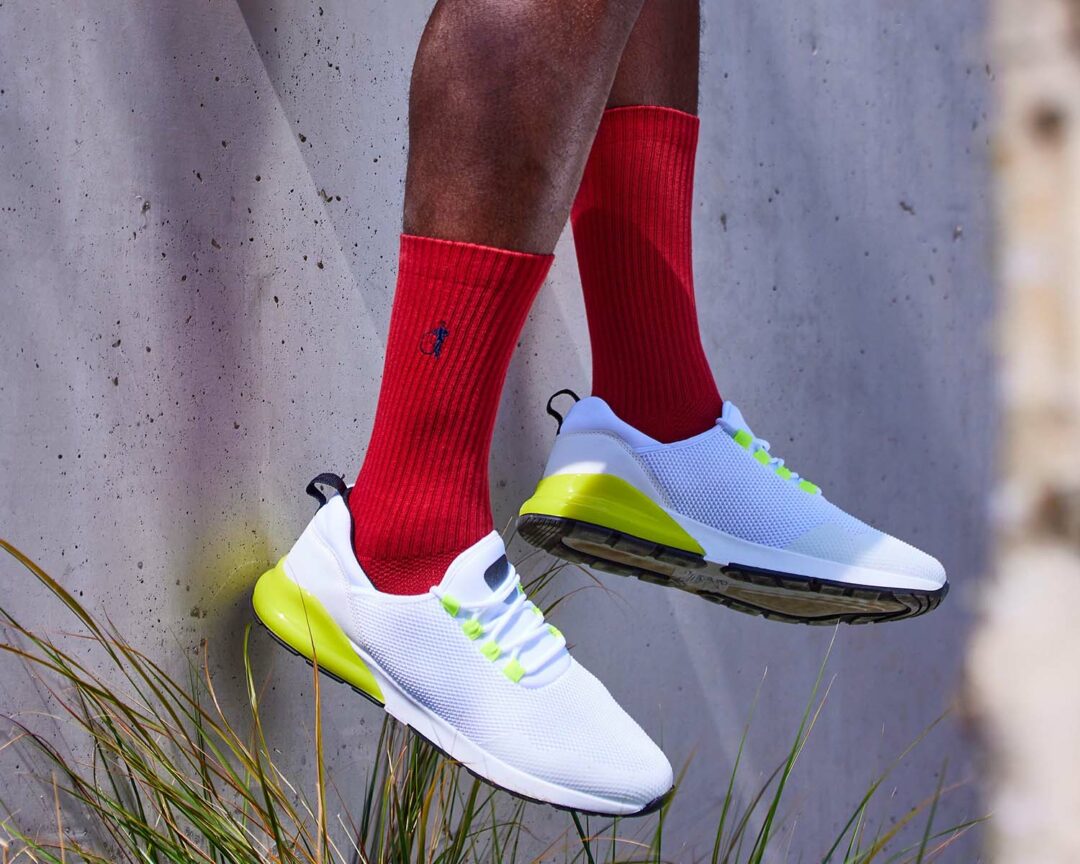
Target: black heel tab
{"type": "Point", "coordinates": [559, 417]}
{"type": "Point", "coordinates": [327, 479]}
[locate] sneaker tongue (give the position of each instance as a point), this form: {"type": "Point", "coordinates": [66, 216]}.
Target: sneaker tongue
{"type": "Point", "coordinates": [479, 571]}
{"type": "Point", "coordinates": [733, 416]}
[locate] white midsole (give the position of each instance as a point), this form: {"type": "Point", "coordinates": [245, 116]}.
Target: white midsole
{"type": "Point", "coordinates": [403, 707]}
{"type": "Point", "coordinates": [725, 549]}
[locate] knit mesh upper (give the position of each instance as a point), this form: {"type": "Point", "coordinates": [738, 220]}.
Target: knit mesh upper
{"type": "Point", "coordinates": [570, 732]}
{"type": "Point", "coordinates": [713, 480]}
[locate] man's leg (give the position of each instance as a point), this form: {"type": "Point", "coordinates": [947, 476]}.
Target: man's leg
{"type": "Point", "coordinates": [718, 515]}
{"type": "Point", "coordinates": [660, 64]}
{"type": "Point", "coordinates": [632, 233]}
{"type": "Point", "coordinates": [505, 100]}
{"type": "Point", "coordinates": [422, 609]}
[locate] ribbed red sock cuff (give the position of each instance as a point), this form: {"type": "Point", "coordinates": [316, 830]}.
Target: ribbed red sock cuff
{"type": "Point", "coordinates": [472, 265]}
{"type": "Point", "coordinates": [639, 150]}
{"type": "Point", "coordinates": [650, 123]}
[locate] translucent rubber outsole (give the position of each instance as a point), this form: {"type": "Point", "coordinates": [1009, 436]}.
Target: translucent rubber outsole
{"type": "Point", "coordinates": [778, 596]}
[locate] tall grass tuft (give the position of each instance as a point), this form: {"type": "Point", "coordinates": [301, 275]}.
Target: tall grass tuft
{"type": "Point", "coordinates": [160, 773]}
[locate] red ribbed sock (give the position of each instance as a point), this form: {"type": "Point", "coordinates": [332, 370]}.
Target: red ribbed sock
{"type": "Point", "coordinates": [422, 494]}
{"type": "Point", "coordinates": [631, 224]}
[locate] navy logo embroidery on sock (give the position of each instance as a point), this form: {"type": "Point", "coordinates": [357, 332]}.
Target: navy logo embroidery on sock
{"type": "Point", "coordinates": [432, 341]}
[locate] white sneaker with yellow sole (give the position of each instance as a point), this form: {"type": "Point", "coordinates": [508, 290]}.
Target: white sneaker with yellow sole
{"type": "Point", "coordinates": [718, 515]}
{"type": "Point", "coordinates": [470, 665]}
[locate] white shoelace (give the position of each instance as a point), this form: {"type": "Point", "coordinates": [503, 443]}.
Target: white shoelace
{"type": "Point", "coordinates": [757, 444]}
{"type": "Point", "coordinates": [499, 617]}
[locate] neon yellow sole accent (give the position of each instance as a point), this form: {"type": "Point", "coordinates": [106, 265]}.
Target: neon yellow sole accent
{"type": "Point", "coordinates": [301, 621]}
{"type": "Point", "coordinates": [611, 502]}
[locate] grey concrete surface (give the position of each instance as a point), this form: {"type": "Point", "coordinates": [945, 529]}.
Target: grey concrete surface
{"type": "Point", "coordinates": [199, 205]}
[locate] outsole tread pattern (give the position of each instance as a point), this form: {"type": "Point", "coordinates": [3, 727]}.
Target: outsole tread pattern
{"type": "Point", "coordinates": [612, 551]}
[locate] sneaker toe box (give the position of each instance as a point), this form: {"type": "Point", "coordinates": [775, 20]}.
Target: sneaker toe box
{"type": "Point", "coordinates": [899, 564]}
{"type": "Point", "coordinates": [583, 740]}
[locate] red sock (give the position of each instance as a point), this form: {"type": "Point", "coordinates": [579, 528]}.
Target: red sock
{"type": "Point", "coordinates": [631, 224]}
{"type": "Point", "coordinates": [422, 495]}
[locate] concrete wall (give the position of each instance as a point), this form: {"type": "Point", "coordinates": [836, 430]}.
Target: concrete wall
{"type": "Point", "coordinates": [199, 204]}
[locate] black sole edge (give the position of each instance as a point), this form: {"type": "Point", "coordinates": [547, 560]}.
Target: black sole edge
{"type": "Point", "coordinates": [550, 533]}
{"type": "Point", "coordinates": [651, 807]}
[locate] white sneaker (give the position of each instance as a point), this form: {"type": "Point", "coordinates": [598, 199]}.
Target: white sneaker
{"type": "Point", "coordinates": [470, 665]}
{"type": "Point", "coordinates": [719, 516]}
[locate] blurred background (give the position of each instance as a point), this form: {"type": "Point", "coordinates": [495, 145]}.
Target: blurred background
{"type": "Point", "coordinates": [199, 205]}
